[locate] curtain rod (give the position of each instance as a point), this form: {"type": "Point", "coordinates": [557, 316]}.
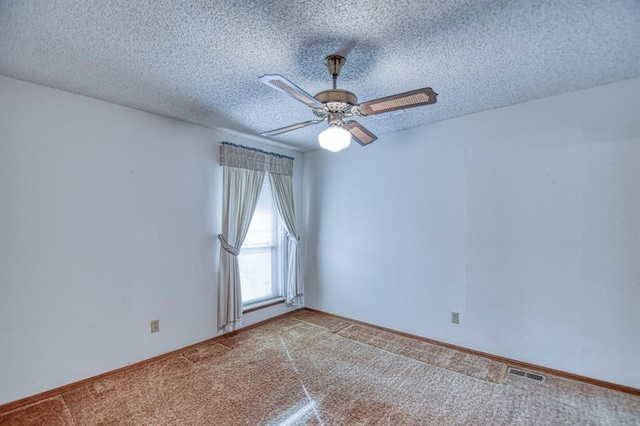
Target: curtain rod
{"type": "Point", "coordinates": [257, 150]}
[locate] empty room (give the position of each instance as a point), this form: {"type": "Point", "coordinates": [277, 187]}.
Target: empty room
{"type": "Point", "coordinates": [339, 213]}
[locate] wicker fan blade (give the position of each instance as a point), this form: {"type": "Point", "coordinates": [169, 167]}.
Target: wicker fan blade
{"type": "Point", "coordinates": [405, 100]}
{"type": "Point", "coordinates": [292, 127]}
{"type": "Point", "coordinates": [280, 83]}
{"type": "Point", "coordinates": [359, 133]}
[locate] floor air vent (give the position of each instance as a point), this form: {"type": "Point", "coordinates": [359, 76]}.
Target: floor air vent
{"type": "Point", "coordinates": [527, 375]}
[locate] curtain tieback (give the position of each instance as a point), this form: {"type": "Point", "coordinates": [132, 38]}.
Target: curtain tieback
{"type": "Point", "coordinates": [294, 240]}
{"type": "Point", "coordinates": [228, 247]}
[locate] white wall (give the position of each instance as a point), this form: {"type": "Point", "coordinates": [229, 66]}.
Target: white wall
{"type": "Point", "coordinates": [525, 219]}
{"type": "Point", "coordinates": [108, 219]}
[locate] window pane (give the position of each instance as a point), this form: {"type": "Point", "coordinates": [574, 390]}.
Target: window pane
{"type": "Point", "coordinates": [261, 230]}
{"type": "Point", "coordinates": [259, 258]}
{"type": "Point", "coordinates": [255, 274]}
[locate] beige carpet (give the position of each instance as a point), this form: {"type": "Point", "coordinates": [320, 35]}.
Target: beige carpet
{"type": "Point", "coordinates": [314, 369]}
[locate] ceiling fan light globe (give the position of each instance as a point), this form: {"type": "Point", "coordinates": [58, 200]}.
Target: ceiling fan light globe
{"type": "Point", "coordinates": [334, 138]}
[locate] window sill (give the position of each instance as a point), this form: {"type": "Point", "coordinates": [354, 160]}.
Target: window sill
{"type": "Point", "coordinates": [261, 305]}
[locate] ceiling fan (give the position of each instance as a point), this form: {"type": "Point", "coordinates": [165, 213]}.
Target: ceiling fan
{"type": "Point", "coordinates": [336, 104]}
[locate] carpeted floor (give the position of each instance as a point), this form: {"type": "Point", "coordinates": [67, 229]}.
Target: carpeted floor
{"type": "Point", "coordinates": [315, 369]}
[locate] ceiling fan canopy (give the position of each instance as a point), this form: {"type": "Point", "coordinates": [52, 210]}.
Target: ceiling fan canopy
{"type": "Point", "coordinates": [335, 104]}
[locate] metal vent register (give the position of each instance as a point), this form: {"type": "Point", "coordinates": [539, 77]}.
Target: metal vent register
{"type": "Point", "coordinates": [527, 375]}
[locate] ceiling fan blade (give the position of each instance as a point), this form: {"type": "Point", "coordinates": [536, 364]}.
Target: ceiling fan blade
{"type": "Point", "coordinates": [292, 127]}
{"type": "Point", "coordinates": [414, 98]}
{"type": "Point", "coordinates": [359, 133]}
{"type": "Point", "coordinates": [280, 83]}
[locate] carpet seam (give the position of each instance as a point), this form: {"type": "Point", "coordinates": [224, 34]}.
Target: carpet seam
{"type": "Point", "coordinates": [211, 356]}
{"type": "Point", "coordinates": [227, 346]}
{"type": "Point", "coordinates": [313, 324]}
{"type": "Point", "coordinates": [326, 328]}
{"type": "Point", "coordinates": [187, 358]}
{"type": "Point", "coordinates": [31, 404]}
{"type": "Point", "coordinates": [426, 363]}
{"type": "Point", "coordinates": [66, 406]}
{"type": "Point", "coordinates": [343, 328]}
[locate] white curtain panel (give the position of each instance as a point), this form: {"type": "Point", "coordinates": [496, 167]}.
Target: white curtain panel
{"type": "Point", "coordinates": [282, 190]}
{"type": "Point", "coordinates": [241, 190]}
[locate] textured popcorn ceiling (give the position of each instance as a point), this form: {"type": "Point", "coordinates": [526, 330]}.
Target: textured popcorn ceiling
{"type": "Point", "coordinates": [199, 61]}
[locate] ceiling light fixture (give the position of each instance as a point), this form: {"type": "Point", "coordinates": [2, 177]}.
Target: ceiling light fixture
{"type": "Point", "coordinates": [335, 138]}
{"type": "Point", "coordinates": [334, 105]}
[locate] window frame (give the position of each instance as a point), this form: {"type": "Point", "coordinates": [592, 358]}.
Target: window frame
{"type": "Point", "coordinates": [279, 256]}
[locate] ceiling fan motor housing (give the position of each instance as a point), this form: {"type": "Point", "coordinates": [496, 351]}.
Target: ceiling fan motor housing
{"type": "Point", "coordinates": [337, 100]}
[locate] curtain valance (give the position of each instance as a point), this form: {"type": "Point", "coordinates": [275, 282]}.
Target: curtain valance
{"type": "Point", "coordinates": [243, 157]}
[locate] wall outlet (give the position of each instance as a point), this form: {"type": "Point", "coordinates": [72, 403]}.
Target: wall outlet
{"type": "Point", "coordinates": [155, 326]}
{"type": "Point", "coordinates": [455, 317]}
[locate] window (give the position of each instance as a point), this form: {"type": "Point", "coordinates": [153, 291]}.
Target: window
{"type": "Point", "coordinates": [261, 255]}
